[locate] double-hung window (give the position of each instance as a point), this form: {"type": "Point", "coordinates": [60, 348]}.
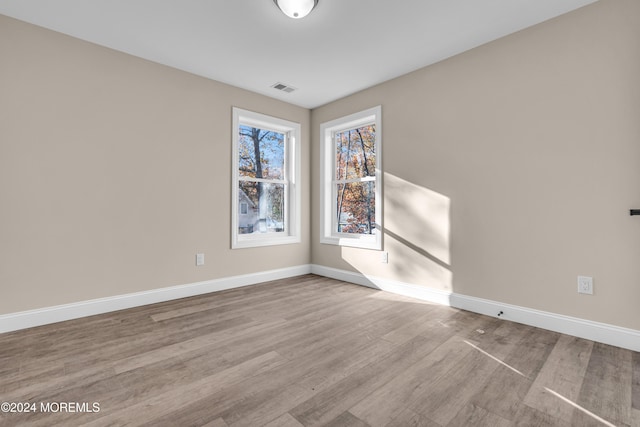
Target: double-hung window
{"type": "Point", "coordinates": [351, 177]}
{"type": "Point", "coordinates": [266, 175]}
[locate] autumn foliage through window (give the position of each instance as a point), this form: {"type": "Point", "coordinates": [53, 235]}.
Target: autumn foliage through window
{"type": "Point", "coordinates": [351, 177]}
{"type": "Point", "coordinates": [261, 170]}
{"type": "Point", "coordinates": [266, 197]}
{"type": "Point", "coordinates": [355, 163]}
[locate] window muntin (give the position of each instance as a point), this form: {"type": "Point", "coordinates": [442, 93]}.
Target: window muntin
{"type": "Point", "coordinates": [354, 185]}
{"type": "Point", "coordinates": [265, 195]}
{"type": "Point", "coordinates": [351, 176]}
{"type": "Point", "coordinates": [262, 176]}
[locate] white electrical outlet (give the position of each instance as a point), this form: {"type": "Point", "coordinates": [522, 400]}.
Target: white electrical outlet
{"type": "Point", "coordinates": [199, 259]}
{"type": "Point", "coordinates": [384, 258]}
{"type": "Point", "coordinates": [585, 285]}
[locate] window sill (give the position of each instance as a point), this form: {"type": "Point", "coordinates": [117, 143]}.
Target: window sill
{"type": "Point", "coordinates": [264, 241]}
{"type": "Point", "coordinates": [362, 242]}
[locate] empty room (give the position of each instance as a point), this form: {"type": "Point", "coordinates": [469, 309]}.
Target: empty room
{"type": "Point", "coordinates": [320, 213]}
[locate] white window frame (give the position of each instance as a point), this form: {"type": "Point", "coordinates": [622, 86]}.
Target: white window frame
{"type": "Point", "coordinates": [292, 133]}
{"type": "Point", "coordinates": [328, 196]}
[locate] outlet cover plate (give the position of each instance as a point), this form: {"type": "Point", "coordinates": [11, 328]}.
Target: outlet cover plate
{"type": "Point", "coordinates": [585, 285]}
{"type": "Point", "coordinates": [199, 259]}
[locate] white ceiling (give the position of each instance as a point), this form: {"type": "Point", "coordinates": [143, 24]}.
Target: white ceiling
{"type": "Point", "coordinates": [343, 46]}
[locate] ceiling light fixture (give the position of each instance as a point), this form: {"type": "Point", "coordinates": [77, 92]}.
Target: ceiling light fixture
{"type": "Point", "coordinates": [296, 8]}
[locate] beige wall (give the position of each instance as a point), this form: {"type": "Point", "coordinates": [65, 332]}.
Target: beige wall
{"type": "Point", "coordinates": [510, 169]}
{"type": "Point", "coordinates": [115, 172]}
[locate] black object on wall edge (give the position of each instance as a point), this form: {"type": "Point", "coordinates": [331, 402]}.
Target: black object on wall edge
{"type": "Point", "coordinates": [634, 212]}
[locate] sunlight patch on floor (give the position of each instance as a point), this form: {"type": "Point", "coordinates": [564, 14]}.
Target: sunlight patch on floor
{"type": "Point", "coordinates": [575, 405]}
{"type": "Point", "coordinates": [495, 358]}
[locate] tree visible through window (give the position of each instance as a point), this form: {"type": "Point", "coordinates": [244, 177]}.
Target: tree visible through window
{"type": "Point", "coordinates": [265, 195]}
{"type": "Point", "coordinates": [351, 180]}
{"type": "Point", "coordinates": [355, 180]}
{"type": "Point", "coordinates": [261, 170]}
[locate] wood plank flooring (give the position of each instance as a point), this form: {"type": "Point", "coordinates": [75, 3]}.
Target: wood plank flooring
{"type": "Point", "coordinates": [311, 351]}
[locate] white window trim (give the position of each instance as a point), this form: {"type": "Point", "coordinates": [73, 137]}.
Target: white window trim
{"type": "Point", "coordinates": [292, 169]}
{"type": "Point", "coordinates": [327, 172]}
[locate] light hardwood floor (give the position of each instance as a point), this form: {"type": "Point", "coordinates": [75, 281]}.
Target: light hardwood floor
{"type": "Point", "coordinates": [313, 351]}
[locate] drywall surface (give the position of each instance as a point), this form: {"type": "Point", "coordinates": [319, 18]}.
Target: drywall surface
{"type": "Point", "coordinates": [510, 169]}
{"type": "Point", "coordinates": [115, 172]}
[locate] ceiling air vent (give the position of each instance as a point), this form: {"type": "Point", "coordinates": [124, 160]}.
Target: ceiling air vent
{"type": "Point", "coordinates": [283, 87]}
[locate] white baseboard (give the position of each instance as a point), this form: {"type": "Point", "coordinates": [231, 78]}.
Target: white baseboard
{"type": "Point", "coordinates": [594, 331]}
{"type": "Point", "coordinates": [401, 288]}
{"type": "Point", "coordinates": [27, 319]}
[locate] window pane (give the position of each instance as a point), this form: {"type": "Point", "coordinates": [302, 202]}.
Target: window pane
{"type": "Point", "coordinates": [260, 153]}
{"type": "Point", "coordinates": [355, 153]}
{"type": "Point", "coordinates": [356, 208]}
{"type": "Point", "coordinates": [266, 206]}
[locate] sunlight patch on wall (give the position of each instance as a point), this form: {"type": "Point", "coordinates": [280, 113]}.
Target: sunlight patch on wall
{"type": "Point", "coordinates": [416, 237]}
{"type": "Point", "coordinates": [418, 216]}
